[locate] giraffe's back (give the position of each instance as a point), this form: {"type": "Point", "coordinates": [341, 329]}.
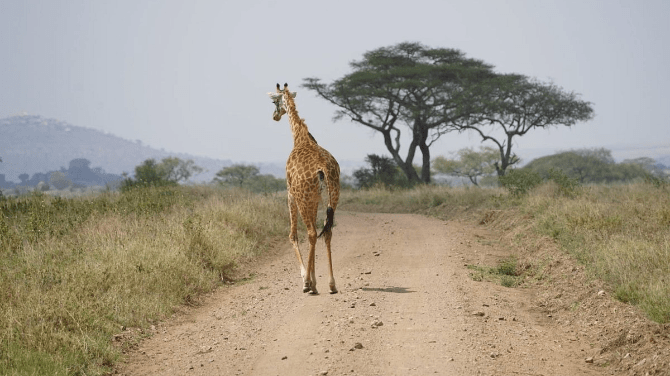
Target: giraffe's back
{"type": "Point", "coordinates": [303, 173]}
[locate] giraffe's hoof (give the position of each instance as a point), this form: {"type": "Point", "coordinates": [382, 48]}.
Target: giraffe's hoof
{"type": "Point", "coordinates": [333, 290]}
{"type": "Point", "coordinates": [310, 289]}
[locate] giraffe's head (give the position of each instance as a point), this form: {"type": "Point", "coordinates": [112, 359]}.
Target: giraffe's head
{"type": "Point", "coordinates": [279, 102]}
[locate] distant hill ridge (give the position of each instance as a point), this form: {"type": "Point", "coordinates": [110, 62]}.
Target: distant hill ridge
{"type": "Point", "coordinates": [32, 144]}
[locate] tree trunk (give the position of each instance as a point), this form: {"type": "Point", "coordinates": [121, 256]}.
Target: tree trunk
{"type": "Point", "coordinates": [425, 151]}
{"type": "Point", "coordinates": [505, 156]}
{"type": "Point", "coordinates": [405, 165]}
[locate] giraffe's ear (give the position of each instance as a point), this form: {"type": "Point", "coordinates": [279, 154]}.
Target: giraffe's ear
{"type": "Point", "coordinates": [293, 94]}
{"type": "Point", "coordinates": [274, 96]}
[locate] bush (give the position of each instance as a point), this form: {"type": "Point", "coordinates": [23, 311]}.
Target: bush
{"type": "Point", "coordinates": [520, 182]}
{"type": "Point", "coordinates": [248, 177]}
{"type": "Point", "coordinates": [383, 172]}
{"type": "Point", "coordinates": [567, 186]}
{"type": "Point", "coordinates": [168, 173]}
{"type": "Point", "coordinates": [59, 180]}
{"type": "Point", "coordinates": [657, 181]}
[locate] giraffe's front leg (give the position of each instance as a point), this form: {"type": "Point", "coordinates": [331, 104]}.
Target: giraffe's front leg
{"type": "Point", "coordinates": [293, 236]}
{"type": "Point", "coordinates": [294, 240]}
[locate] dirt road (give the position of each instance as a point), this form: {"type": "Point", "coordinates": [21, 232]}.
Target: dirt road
{"type": "Point", "coordinates": [406, 306]}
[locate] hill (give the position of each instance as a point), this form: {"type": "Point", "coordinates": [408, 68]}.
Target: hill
{"type": "Point", "coordinates": [32, 144]}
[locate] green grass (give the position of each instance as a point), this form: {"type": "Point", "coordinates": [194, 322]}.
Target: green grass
{"type": "Point", "coordinates": [506, 273]}
{"type": "Point", "coordinates": [74, 272]}
{"type": "Point", "coordinates": [621, 233]}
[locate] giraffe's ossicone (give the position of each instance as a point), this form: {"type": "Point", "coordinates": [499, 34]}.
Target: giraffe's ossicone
{"type": "Point", "coordinates": [309, 169]}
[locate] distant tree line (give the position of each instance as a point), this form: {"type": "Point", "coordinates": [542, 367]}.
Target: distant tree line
{"type": "Point", "coordinates": [78, 174]}
{"type": "Point", "coordinates": [584, 166]}
{"type": "Point", "coordinates": [168, 172]}
{"type": "Point", "coordinates": [593, 166]}
{"type": "Point", "coordinates": [248, 177]}
{"type": "Point", "coordinates": [172, 171]}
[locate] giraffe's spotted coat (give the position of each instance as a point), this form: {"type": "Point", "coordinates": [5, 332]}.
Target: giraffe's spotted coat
{"type": "Point", "coordinates": [308, 164]}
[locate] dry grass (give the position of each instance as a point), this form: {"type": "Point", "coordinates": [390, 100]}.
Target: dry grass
{"type": "Point", "coordinates": [440, 201]}
{"type": "Point", "coordinates": [622, 234]}
{"type": "Point", "coordinates": [82, 269]}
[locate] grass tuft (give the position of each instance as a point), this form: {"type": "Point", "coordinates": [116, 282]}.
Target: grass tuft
{"type": "Point", "coordinates": [506, 273]}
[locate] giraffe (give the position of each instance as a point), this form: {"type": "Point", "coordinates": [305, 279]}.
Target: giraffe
{"type": "Point", "coordinates": [309, 167]}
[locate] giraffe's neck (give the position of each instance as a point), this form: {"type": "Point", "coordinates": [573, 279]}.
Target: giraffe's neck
{"type": "Point", "coordinates": [298, 127]}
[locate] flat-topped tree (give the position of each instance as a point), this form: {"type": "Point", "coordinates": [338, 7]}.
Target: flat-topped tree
{"type": "Point", "coordinates": [511, 105]}
{"type": "Point", "coordinates": [405, 87]}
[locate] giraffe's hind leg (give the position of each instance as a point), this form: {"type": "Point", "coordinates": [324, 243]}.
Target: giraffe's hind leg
{"type": "Point", "coordinates": [328, 235]}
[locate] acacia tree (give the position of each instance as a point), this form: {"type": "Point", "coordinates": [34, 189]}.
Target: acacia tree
{"type": "Point", "coordinates": [237, 174]}
{"type": "Point", "coordinates": [175, 169]}
{"type": "Point", "coordinates": [470, 163]}
{"type": "Point", "coordinates": [511, 105]}
{"type": "Point", "coordinates": [168, 172]}
{"type": "Point", "coordinates": [248, 177]}
{"type": "Point", "coordinates": [407, 86]}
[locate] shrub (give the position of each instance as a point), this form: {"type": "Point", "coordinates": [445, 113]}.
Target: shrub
{"type": "Point", "coordinates": [166, 173]}
{"type": "Point", "coordinates": [567, 186]}
{"type": "Point", "coordinates": [520, 182]}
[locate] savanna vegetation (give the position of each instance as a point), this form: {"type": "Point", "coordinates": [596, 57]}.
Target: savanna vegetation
{"type": "Point", "coordinates": [75, 272]}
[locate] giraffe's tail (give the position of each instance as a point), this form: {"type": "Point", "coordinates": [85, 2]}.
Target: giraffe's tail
{"type": "Point", "coordinates": [330, 212]}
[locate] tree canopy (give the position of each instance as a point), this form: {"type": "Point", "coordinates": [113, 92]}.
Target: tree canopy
{"type": "Point", "coordinates": [511, 105]}
{"type": "Point", "coordinates": [248, 177]}
{"type": "Point", "coordinates": [236, 174]}
{"type": "Point", "coordinates": [176, 170]}
{"type": "Point", "coordinates": [406, 86]}
{"type": "Point", "coordinates": [169, 171]}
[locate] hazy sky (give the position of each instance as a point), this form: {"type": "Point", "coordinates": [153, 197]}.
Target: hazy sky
{"type": "Point", "coordinates": [192, 76]}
